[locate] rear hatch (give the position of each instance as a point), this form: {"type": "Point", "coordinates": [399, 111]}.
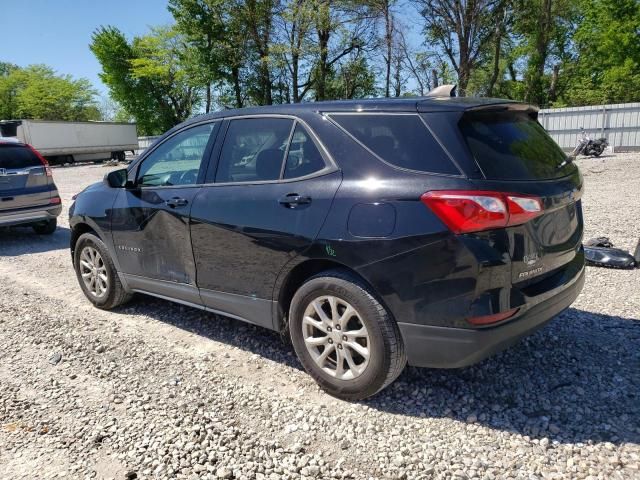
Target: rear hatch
{"type": "Point", "coordinates": [25, 180]}
{"type": "Point", "coordinates": [515, 154]}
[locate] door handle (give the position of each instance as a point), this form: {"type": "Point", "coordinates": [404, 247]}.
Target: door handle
{"type": "Point", "coordinates": [292, 200]}
{"type": "Point", "coordinates": [176, 202]}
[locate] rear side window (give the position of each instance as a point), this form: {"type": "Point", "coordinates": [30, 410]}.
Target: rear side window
{"type": "Point", "coordinates": [17, 156]}
{"type": "Point", "coordinates": [401, 140]}
{"type": "Point", "coordinates": [304, 157]}
{"type": "Point", "coordinates": [254, 150]}
{"type": "Point", "coordinates": [512, 146]}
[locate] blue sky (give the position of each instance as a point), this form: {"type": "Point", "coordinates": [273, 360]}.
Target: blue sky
{"type": "Point", "coordinates": [58, 32]}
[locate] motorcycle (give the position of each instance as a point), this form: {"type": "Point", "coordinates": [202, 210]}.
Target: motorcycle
{"type": "Point", "coordinates": [587, 146]}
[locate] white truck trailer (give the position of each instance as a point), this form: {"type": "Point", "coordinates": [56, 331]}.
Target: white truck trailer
{"type": "Point", "coordinates": [68, 142]}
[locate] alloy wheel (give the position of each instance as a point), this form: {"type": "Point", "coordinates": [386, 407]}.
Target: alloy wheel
{"type": "Point", "coordinates": [336, 337]}
{"type": "Point", "coordinates": [94, 272]}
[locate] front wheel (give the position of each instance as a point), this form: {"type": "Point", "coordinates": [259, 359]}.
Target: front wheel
{"type": "Point", "coordinates": [345, 339]}
{"type": "Point", "coordinates": [96, 273]}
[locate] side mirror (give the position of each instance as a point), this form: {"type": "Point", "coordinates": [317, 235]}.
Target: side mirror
{"type": "Point", "coordinates": [118, 179]}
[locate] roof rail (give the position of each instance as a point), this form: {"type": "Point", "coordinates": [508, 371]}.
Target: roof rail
{"type": "Point", "coordinates": [443, 91]}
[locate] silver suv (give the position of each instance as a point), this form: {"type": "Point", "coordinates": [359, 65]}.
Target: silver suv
{"type": "Point", "coordinates": [28, 195]}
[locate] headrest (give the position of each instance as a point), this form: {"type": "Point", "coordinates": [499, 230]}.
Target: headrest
{"type": "Point", "coordinates": [269, 163]}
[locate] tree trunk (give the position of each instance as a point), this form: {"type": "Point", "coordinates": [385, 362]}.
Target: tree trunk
{"type": "Point", "coordinates": [265, 80]}
{"type": "Point", "coordinates": [534, 93]}
{"type": "Point", "coordinates": [434, 78]}
{"type": "Point", "coordinates": [463, 78]}
{"type": "Point", "coordinates": [235, 74]}
{"type": "Point", "coordinates": [295, 65]}
{"type": "Point", "coordinates": [398, 77]}
{"type": "Point", "coordinates": [207, 107]}
{"type": "Point", "coordinates": [553, 87]}
{"type": "Point", "coordinates": [323, 64]}
{"type": "Point", "coordinates": [388, 38]}
{"type": "Point", "coordinates": [496, 56]}
{"type": "Point", "coordinates": [261, 39]}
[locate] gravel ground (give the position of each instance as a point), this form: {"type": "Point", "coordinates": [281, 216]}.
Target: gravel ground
{"type": "Point", "coordinates": [158, 390]}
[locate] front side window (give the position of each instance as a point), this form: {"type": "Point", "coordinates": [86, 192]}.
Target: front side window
{"type": "Point", "coordinates": [176, 161]}
{"type": "Point", "coordinates": [303, 158]}
{"type": "Point", "coordinates": [254, 150]}
{"type": "Point", "coordinates": [401, 140]}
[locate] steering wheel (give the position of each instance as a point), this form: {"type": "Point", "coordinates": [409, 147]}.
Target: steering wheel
{"type": "Point", "coordinates": [189, 177]}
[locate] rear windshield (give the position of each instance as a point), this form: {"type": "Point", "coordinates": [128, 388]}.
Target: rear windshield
{"type": "Point", "coordinates": [17, 156]}
{"type": "Point", "coordinates": [401, 140]}
{"type": "Point", "coordinates": [513, 146]}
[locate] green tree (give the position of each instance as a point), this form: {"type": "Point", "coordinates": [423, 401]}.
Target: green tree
{"type": "Point", "coordinates": [607, 45]}
{"type": "Point", "coordinates": [462, 30]}
{"type": "Point", "coordinates": [543, 29]}
{"type": "Point", "coordinates": [38, 92]}
{"type": "Point", "coordinates": [354, 79]}
{"type": "Point", "coordinates": [149, 76]}
{"type": "Point", "coordinates": [295, 47]}
{"type": "Point", "coordinates": [212, 28]}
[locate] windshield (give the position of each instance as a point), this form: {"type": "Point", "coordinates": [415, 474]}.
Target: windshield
{"type": "Point", "coordinates": [17, 157]}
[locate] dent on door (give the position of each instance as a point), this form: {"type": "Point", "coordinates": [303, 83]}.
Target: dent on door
{"type": "Point", "coordinates": [151, 238]}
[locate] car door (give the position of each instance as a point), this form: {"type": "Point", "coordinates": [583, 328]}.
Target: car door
{"type": "Point", "coordinates": [150, 221]}
{"type": "Point", "coordinates": [259, 213]}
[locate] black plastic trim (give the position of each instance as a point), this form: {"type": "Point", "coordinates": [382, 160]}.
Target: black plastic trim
{"type": "Point", "coordinates": [445, 347]}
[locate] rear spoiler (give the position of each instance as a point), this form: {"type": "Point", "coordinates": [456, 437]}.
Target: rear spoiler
{"type": "Point", "coordinates": [445, 95]}
{"type": "Point", "coordinates": [504, 106]}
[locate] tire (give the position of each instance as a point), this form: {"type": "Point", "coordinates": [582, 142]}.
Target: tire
{"type": "Point", "coordinates": [386, 353]}
{"type": "Point", "coordinates": [114, 293]}
{"type": "Point", "coordinates": [597, 151]}
{"type": "Point", "coordinates": [45, 228]}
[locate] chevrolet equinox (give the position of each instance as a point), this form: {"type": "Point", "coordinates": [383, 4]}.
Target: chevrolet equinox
{"type": "Point", "coordinates": [434, 231]}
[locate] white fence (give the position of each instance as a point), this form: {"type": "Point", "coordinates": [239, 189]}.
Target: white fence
{"type": "Point", "coordinates": [619, 124]}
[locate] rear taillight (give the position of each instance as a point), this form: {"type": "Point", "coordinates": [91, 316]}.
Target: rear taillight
{"type": "Point", "coordinates": [43, 160]}
{"type": "Point", "coordinates": [55, 200]}
{"type": "Point", "coordinates": [466, 211]}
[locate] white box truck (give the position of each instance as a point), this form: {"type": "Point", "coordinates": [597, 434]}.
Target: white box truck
{"type": "Point", "coordinates": [68, 142]}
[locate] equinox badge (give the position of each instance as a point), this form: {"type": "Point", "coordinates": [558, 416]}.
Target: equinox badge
{"type": "Point", "coordinates": [530, 273]}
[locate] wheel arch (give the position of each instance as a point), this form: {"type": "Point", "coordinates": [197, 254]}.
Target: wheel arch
{"type": "Point", "coordinates": [298, 275]}
{"type": "Point", "coordinates": [76, 231]}
{"type": "Point", "coordinates": [83, 226]}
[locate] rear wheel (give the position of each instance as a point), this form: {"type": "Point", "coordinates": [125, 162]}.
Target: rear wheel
{"type": "Point", "coordinates": [97, 274]}
{"type": "Point", "coordinates": [597, 150]}
{"type": "Point", "coordinates": [345, 339]}
{"type": "Point", "coordinates": [45, 228]}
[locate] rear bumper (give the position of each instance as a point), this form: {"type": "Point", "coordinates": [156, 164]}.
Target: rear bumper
{"type": "Point", "coordinates": [31, 215]}
{"type": "Point", "coordinates": [445, 347]}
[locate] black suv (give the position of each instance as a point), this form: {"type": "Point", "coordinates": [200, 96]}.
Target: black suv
{"type": "Point", "coordinates": [28, 196]}
{"type": "Point", "coordinates": [435, 231]}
